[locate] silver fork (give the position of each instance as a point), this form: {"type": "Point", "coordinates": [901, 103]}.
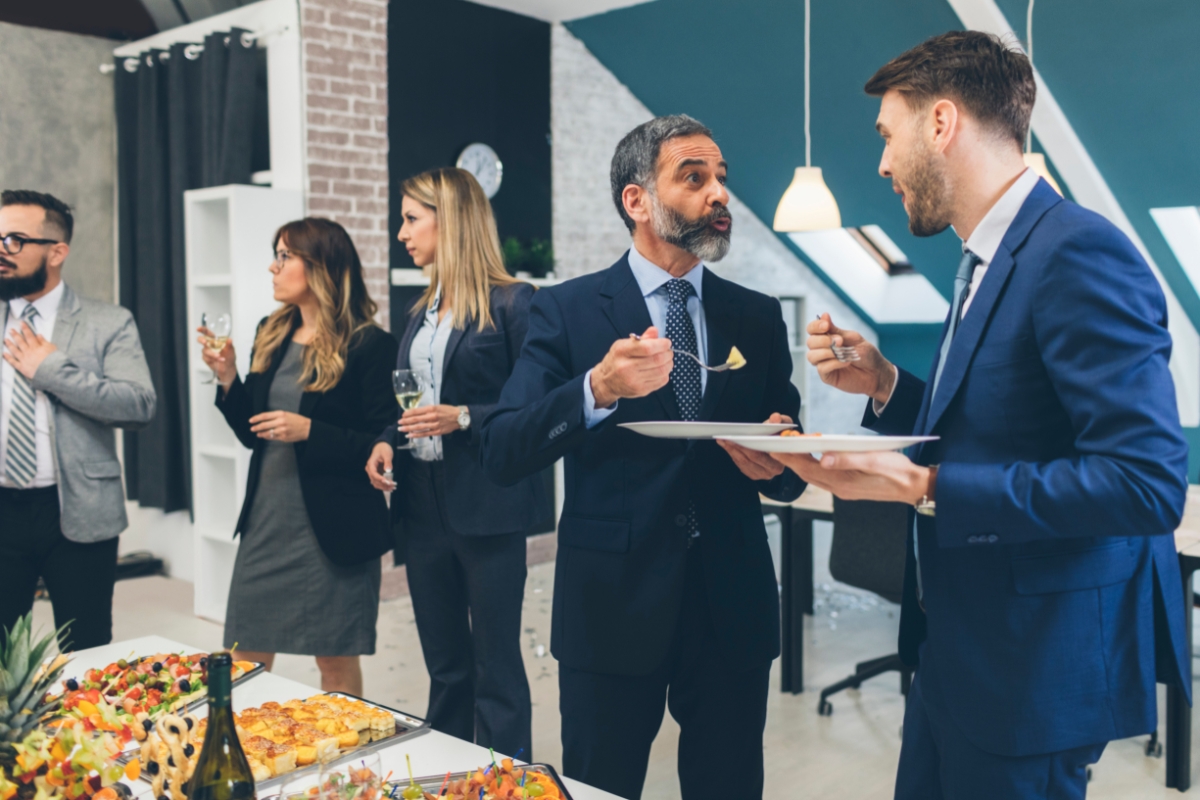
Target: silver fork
{"type": "Point", "coordinates": [718, 368]}
{"type": "Point", "coordinates": [843, 354]}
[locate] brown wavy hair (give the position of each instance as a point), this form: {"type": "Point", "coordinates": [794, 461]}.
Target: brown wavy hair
{"type": "Point", "coordinates": [468, 261]}
{"type": "Point", "coordinates": [335, 276]}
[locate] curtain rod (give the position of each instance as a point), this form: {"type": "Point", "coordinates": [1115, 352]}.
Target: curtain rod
{"type": "Point", "coordinates": [191, 52]}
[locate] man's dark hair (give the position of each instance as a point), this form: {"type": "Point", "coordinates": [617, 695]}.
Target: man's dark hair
{"type": "Point", "coordinates": [58, 213]}
{"type": "Point", "coordinates": [636, 158]}
{"type": "Point", "coordinates": [992, 79]}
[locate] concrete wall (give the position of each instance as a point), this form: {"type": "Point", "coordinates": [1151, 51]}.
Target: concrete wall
{"type": "Point", "coordinates": [58, 135]}
{"type": "Point", "coordinates": [590, 111]}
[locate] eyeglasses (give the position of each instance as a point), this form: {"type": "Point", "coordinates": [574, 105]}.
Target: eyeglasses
{"type": "Point", "coordinates": [281, 256]}
{"type": "Point", "coordinates": [15, 242]}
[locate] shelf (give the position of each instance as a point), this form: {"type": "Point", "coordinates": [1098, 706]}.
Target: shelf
{"type": "Point", "coordinates": [218, 451]}
{"type": "Point", "coordinates": [219, 535]}
{"type": "Point", "coordinates": [212, 281]}
{"type": "Point", "coordinates": [416, 277]}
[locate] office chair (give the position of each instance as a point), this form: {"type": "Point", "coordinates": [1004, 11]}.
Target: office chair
{"type": "Point", "coordinates": [868, 553]}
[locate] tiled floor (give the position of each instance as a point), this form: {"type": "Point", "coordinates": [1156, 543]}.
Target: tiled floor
{"type": "Point", "coordinates": [851, 754]}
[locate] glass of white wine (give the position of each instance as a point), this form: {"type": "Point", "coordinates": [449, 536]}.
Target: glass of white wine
{"type": "Point", "coordinates": [219, 330]}
{"type": "Point", "coordinates": [408, 394]}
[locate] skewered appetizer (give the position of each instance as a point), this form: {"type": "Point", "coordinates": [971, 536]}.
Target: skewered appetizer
{"type": "Point", "coordinates": [501, 781]}
{"type": "Point", "coordinates": [71, 762]}
{"type": "Point", "coordinates": [150, 684]}
{"type": "Point", "coordinates": [167, 754]}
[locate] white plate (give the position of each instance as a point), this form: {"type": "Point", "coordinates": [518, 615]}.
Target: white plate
{"type": "Point", "coordinates": [703, 430]}
{"type": "Point", "coordinates": [827, 444]}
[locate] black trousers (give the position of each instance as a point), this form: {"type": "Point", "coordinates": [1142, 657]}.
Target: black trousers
{"type": "Point", "coordinates": [610, 721]}
{"type": "Point", "coordinates": [79, 577]}
{"type": "Point", "coordinates": [467, 593]}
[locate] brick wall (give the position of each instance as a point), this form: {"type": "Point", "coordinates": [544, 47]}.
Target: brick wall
{"type": "Point", "coordinates": [345, 75]}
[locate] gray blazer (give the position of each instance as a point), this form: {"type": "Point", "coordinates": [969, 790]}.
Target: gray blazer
{"type": "Point", "coordinates": [96, 380]}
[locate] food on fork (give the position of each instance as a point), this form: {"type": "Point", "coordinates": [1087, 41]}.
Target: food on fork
{"type": "Point", "coordinates": [736, 360]}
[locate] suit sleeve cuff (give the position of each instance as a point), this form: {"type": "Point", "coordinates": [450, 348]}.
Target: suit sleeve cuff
{"type": "Point", "coordinates": [593, 416]}
{"type": "Point", "coordinates": [879, 407]}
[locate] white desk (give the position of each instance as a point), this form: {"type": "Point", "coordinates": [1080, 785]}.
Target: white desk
{"type": "Point", "coordinates": [432, 753]}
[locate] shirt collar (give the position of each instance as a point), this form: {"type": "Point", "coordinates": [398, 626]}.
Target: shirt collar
{"type": "Point", "coordinates": [46, 305]}
{"type": "Point", "coordinates": [651, 277]}
{"type": "Point", "coordinates": [986, 238]}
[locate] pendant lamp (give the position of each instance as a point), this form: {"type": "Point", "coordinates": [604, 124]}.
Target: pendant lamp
{"type": "Point", "coordinates": [807, 205]}
{"type": "Point", "coordinates": [1035, 161]}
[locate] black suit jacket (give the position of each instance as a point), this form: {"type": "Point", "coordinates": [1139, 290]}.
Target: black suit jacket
{"type": "Point", "coordinates": [474, 370]}
{"type": "Point", "coordinates": [348, 515]}
{"type": "Point", "coordinates": [622, 539]}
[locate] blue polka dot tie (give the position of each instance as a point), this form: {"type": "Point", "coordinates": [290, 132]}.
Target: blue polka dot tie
{"type": "Point", "coordinates": [685, 376]}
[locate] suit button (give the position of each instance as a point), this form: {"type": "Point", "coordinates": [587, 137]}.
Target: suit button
{"type": "Point", "coordinates": [681, 520]}
{"type": "Point", "coordinates": [992, 539]}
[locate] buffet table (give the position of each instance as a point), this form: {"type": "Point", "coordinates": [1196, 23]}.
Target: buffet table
{"type": "Point", "coordinates": [432, 753]}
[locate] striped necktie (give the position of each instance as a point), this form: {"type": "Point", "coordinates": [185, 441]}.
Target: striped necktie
{"type": "Point", "coordinates": [20, 459]}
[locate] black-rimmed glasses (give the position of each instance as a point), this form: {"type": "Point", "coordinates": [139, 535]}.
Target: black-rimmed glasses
{"type": "Point", "coordinates": [15, 242]}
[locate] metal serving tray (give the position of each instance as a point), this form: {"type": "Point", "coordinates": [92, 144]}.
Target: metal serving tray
{"type": "Point", "coordinates": [431, 782]}
{"type": "Point", "coordinates": [406, 726]}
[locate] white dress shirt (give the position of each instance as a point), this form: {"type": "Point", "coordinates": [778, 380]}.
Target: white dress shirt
{"type": "Point", "coordinates": [427, 358]}
{"type": "Point", "coordinates": [985, 240]}
{"type": "Point", "coordinates": [47, 308]}
{"type": "Point", "coordinates": [652, 280]}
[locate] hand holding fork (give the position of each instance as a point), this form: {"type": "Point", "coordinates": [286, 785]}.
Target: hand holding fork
{"type": "Point", "coordinates": [847, 361]}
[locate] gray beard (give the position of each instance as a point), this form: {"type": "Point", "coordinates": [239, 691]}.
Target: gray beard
{"type": "Point", "coordinates": [691, 235]}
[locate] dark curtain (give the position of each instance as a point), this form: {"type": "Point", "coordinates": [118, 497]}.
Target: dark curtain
{"type": "Point", "coordinates": [182, 123]}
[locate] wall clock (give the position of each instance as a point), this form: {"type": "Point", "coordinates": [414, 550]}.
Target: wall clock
{"type": "Point", "coordinates": [482, 162]}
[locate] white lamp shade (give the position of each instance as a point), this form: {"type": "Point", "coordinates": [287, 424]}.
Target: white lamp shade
{"type": "Point", "coordinates": [1037, 162]}
{"type": "Point", "coordinates": [807, 205]}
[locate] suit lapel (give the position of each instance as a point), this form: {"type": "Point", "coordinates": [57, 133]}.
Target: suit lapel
{"type": "Point", "coordinates": [66, 320]}
{"type": "Point", "coordinates": [410, 332]}
{"type": "Point", "coordinates": [456, 337]}
{"type": "Point", "coordinates": [973, 325]}
{"type": "Point", "coordinates": [622, 302]}
{"type": "Point", "coordinates": [722, 323]}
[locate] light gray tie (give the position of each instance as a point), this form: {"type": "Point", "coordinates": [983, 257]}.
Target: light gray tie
{"type": "Point", "coordinates": [20, 460]}
{"type": "Point", "coordinates": [962, 286]}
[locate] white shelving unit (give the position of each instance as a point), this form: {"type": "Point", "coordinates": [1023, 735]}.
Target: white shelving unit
{"type": "Point", "coordinates": [228, 232]}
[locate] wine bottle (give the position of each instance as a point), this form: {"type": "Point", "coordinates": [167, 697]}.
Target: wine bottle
{"type": "Point", "coordinates": [222, 772]}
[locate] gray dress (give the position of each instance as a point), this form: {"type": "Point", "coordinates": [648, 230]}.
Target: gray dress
{"type": "Point", "coordinates": [286, 595]}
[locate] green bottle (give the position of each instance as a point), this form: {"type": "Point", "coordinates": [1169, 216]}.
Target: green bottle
{"type": "Point", "coordinates": [222, 772]}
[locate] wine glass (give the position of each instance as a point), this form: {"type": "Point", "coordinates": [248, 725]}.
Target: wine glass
{"type": "Point", "coordinates": [360, 778]}
{"type": "Point", "coordinates": [219, 330]}
{"type": "Point", "coordinates": [409, 391]}
{"type": "Point", "coordinates": [304, 784]}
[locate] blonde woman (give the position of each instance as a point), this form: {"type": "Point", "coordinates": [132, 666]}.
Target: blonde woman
{"type": "Point", "coordinates": [465, 535]}
{"type": "Point", "coordinates": [306, 578]}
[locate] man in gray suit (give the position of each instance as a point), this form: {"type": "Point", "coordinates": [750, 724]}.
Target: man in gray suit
{"type": "Point", "coordinates": [73, 371]}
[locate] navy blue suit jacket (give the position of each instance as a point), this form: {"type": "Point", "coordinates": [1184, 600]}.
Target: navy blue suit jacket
{"type": "Point", "coordinates": [1050, 579]}
{"type": "Point", "coordinates": [622, 538]}
{"type": "Point", "coordinates": [474, 370]}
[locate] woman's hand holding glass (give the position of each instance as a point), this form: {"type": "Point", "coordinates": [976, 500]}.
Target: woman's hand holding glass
{"type": "Point", "coordinates": [222, 362]}
{"type": "Point", "coordinates": [425, 421]}
{"type": "Point", "coordinates": [281, 426]}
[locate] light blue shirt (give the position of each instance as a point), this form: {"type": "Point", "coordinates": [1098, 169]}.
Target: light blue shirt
{"type": "Point", "coordinates": [652, 280]}
{"type": "Point", "coordinates": [426, 357]}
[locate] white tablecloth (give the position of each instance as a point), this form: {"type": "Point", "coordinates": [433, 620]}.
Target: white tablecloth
{"type": "Point", "coordinates": [432, 753]}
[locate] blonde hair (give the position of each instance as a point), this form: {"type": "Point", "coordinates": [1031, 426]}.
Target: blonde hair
{"type": "Point", "coordinates": [468, 261]}
{"type": "Point", "coordinates": [335, 276]}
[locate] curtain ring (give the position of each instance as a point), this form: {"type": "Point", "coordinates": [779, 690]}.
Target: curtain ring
{"type": "Point", "coordinates": [248, 40]}
{"type": "Point", "coordinates": [149, 60]}
{"type": "Point", "coordinates": [227, 41]}
{"type": "Point", "coordinates": [164, 56]}
{"type": "Point", "coordinates": [131, 64]}
{"type": "Point", "coordinates": [193, 51]}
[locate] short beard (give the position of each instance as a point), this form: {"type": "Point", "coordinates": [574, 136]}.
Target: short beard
{"type": "Point", "coordinates": [24, 285]}
{"type": "Point", "coordinates": [927, 193]}
{"type": "Point", "coordinates": [696, 236]}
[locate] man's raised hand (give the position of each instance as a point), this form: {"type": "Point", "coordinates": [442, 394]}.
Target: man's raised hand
{"type": "Point", "coordinates": [872, 375]}
{"type": "Point", "coordinates": [632, 368]}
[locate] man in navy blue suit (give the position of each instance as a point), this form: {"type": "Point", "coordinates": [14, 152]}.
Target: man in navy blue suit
{"type": "Point", "coordinates": [664, 591]}
{"type": "Point", "coordinates": [1042, 596]}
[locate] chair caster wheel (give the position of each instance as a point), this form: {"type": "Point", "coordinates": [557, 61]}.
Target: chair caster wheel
{"type": "Point", "coordinates": [1154, 749]}
{"type": "Point", "coordinates": [825, 708]}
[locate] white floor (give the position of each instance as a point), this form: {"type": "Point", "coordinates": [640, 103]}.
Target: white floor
{"type": "Point", "coordinates": [851, 754]}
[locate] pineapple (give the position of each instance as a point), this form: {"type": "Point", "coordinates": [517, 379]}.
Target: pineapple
{"type": "Point", "coordinates": [24, 683]}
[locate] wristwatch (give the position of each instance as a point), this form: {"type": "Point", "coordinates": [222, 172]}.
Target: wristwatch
{"type": "Point", "coordinates": [464, 418]}
{"type": "Point", "coordinates": [925, 506]}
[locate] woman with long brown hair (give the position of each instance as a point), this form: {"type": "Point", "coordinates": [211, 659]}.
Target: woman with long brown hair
{"type": "Point", "coordinates": [465, 536]}
{"type": "Point", "coordinates": [306, 578]}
